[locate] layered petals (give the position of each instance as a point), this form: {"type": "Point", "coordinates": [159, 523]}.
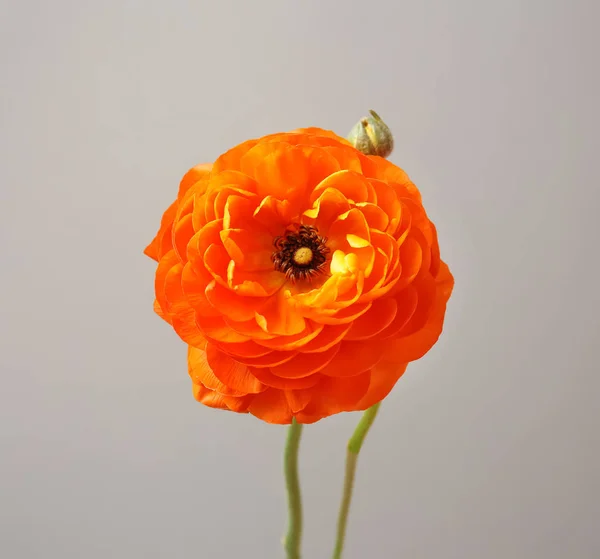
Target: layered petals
{"type": "Point", "coordinates": [303, 275]}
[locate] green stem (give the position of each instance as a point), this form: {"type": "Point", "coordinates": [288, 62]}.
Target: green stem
{"type": "Point", "coordinates": [354, 445]}
{"type": "Point", "coordinates": [294, 533]}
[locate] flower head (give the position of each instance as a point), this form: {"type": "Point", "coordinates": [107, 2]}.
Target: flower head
{"type": "Point", "coordinates": [303, 275]}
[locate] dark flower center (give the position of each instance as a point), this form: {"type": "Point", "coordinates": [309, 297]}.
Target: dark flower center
{"type": "Point", "coordinates": [301, 253]}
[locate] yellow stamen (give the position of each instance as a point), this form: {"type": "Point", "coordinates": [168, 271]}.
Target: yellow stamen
{"type": "Point", "coordinates": [303, 256]}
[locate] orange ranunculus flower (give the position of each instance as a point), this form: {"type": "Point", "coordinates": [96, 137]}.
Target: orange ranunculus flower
{"type": "Point", "coordinates": [302, 274]}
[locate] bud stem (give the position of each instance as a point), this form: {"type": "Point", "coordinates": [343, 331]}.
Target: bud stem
{"type": "Point", "coordinates": [354, 445]}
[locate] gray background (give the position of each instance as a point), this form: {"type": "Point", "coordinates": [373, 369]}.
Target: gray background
{"type": "Point", "coordinates": [488, 447]}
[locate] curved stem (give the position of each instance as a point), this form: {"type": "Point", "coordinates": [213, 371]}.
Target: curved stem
{"type": "Point", "coordinates": [354, 445]}
{"type": "Point", "coordinates": [294, 533]}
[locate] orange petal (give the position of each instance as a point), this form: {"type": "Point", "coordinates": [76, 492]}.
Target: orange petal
{"type": "Point", "coordinates": [201, 373]}
{"type": "Point", "coordinates": [194, 175]}
{"type": "Point", "coordinates": [346, 391]}
{"type": "Point", "coordinates": [186, 202]}
{"type": "Point", "coordinates": [176, 301]}
{"type": "Point", "coordinates": [158, 310]}
{"type": "Point", "coordinates": [411, 258]}
{"type": "Point", "coordinates": [265, 376]}
{"type": "Point", "coordinates": [387, 200]}
{"type": "Point", "coordinates": [280, 316]}
{"type": "Point", "coordinates": [311, 331]}
{"type": "Point", "coordinates": [264, 283]}
{"type": "Point", "coordinates": [343, 316]}
{"type": "Point", "coordinates": [324, 295]}
{"type": "Point", "coordinates": [435, 253]}
{"type": "Point", "coordinates": [231, 305]}
{"type": "Point", "coordinates": [231, 160]}
{"type": "Point", "coordinates": [208, 397]}
{"type": "Point", "coordinates": [194, 283]}
{"type": "Point", "coordinates": [354, 357]}
{"type": "Point", "coordinates": [199, 243]}
{"type": "Point", "coordinates": [416, 344]}
{"type": "Point", "coordinates": [250, 329]}
{"type": "Point", "coordinates": [273, 215]}
{"type": "Point", "coordinates": [231, 373]}
{"type": "Point", "coordinates": [297, 399]}
{"type": "Point", "coordinates": [238, 404]}
{"type": "Point", "coordinates": [238, 213]}
{"type": "Point", "coordinates": [377, 278]}
{"type": "Point", "coordinates": [321, 164]}
{"type": "Point", "coordinates": [406, 304]}
{"type": "Point", "coordinates": [243, 350]}
{"type": "Point", "coordinates": [304, 364]}
{"type": "Point", "coordinates": [401, 228]}
{"type": "Point", "coordinates": [161, 244]}
{"type": "Point", "coordinates": [426, 291]}
{"type": "Point", "coordinates": [328, 337]}
{"type": "Point", "coordinates": [386, 243]}
{"type": "Point", "coordinates": [418, 217]}
{"type": "Point", "coordinates": [176, 306]}
{"type": "Point", "coordinates": [353, 186]}
{"type": "Point", "coordinates": [382, 169]}
{"type": "Point", "coordinates": [359, 261]}
{"type": "Point", "coordinates": [281, 171]}
{"type": "Point", "coordinates": [217, 400]}
{"type": "Point", "coordinates": [188, 330]}
{"type": "Point", "coordinates": [250, 250]}
{"type": "Point", "coordinates": [378, 318]}
{"type": "Point", "coordinates": [406, 190]}
{"type": "Point", "coordinates": [218, 329]}
{"type": "Point", "coordinates": [333, 395]}
{"type": "Point", "coordinates": [349, 291]}
{"type": "Point", "coordinates": [347, 157]}
{"type": "Point", "coordinates": [229, 183]}
{"type": "Point", "coordinates": [202, 212]}
{"type": "Point", "coordinates": [425, 264]}
{"type": "Point", "coordinates": [330, 204]}
{"type": "Point", "coordinates": [353, 223]}
{"type": "Point", "coordinates": [384, 376]}
{"type": "Point", "coordinates": [216, 261]}
{"type": "Point", "coordinates": [375, 216]}
{"type": "Point", "coordinates": [270, 359]}
{"type": "Point", "coordinates": [166, 263]}
{"type": "Point", "coordinates": [444, 281]}
{"type": "Point", "coordinates": [271, 406]}
{"type": "Point", "coordinates": [308, 418]}
{"type": "Point", "coordinates": [183, 231]}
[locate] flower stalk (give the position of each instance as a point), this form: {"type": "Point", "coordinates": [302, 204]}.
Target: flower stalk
{"type": "Point", "coordinates": [354, 445]}
{"type": "Point", "coordinates": [293, 538]}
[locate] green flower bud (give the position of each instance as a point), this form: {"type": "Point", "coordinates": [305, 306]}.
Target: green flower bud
{"type": "Point", "coordinates": [371, 136]}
